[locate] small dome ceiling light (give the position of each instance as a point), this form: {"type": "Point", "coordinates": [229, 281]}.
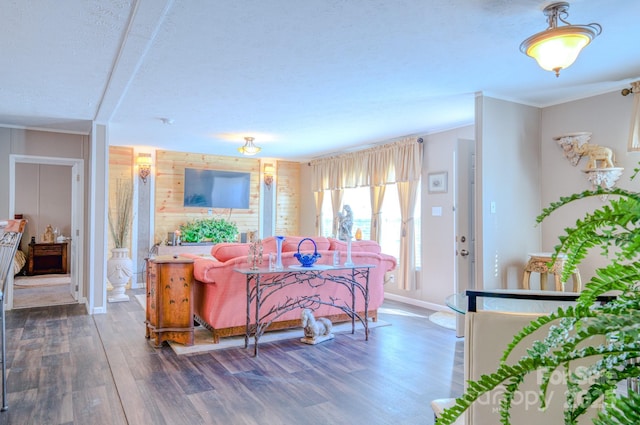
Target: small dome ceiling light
{"type": "Point", "coordinates": [249, 148]}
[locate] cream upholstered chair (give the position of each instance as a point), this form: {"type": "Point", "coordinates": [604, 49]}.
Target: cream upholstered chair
{"type": "Point", "coordinates": [487, 335]}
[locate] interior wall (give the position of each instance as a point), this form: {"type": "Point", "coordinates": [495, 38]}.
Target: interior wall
{"type": "Point", "coordinates": [143, 223]}
{"type": "Point", "coordinates": [307, 203]}
{"type": "Point", "coordinates": [287, 183]}
{"type": "Point", "coordinates": [45, 190]}
{"type": "Point", "coordinates": [36, 143]}
{"type": "Point", "coordinates": [5, 151]}
{"type": "Point", "coordinates": [168, 179]}
{"type": "Point", "coordinates": [170, 212]}
{"type": "Point", "coordinates": [508, 142]}
{"type": "Point", "coordinates": [43, 196]}
{"type": "Point", "coordinates": [96, 203]}
{"type": "Point", "coordinates": [438, 243]}
{"type": "Point", "coordinates": [608, 118]}
{"type": "Point", "coordinates": [268, 202]}
{"type": "Point", "coordinates": [438, 231]}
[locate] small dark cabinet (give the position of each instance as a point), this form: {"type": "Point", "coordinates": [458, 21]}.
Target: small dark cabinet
{"type": "Point", "coordinates": [47, 258]}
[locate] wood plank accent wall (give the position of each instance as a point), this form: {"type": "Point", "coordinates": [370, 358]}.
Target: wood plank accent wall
{"type": "Point", "coordinates": [288, 198]}
{"type": "Point", "coordinates": [169, 209]}
{"type": "Point", "coordinates": [168, 169]}
{"type": "Point", "coordinates": [120, 168]}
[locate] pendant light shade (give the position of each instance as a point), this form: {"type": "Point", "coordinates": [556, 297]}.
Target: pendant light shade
{"type": "Point", "coordinates": [249, 148]}
{"type": "Point", "coordinates": [557, 47]}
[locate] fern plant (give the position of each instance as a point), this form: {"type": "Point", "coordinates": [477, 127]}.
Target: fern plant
{"type": "Point", "coordinates": [615, 229]}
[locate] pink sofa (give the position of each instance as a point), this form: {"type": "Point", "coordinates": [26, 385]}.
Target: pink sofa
{"type": "Point", "coordinates": [220, 293]}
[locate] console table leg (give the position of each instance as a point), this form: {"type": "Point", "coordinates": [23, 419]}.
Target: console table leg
{"type": "Point", "coordinates": [248, 324]}
{"type": "Point", "coordinates": [258, 328]}
{"type": "Point", "coordinates": [366, 306]}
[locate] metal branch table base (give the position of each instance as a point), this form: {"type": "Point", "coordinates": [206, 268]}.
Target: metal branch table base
{"type": "Point", "coordinates": [263, 283]}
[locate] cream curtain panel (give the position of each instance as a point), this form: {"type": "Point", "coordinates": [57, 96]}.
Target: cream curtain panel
{"type": "Point", "coordinates": [406, 276]}
{"type": "Point", "coordinates": [386, 164]}
{"type": "Point", "coordinates": [319, 196]}
{"type": "Point", "coordinates": [336, 201]}
{"type": "Point", "coordinates": [634, 131]}
{"type": "Point", "coordinates": [394, 163]}
{"type": "Point", "coordinates": [377, 196]}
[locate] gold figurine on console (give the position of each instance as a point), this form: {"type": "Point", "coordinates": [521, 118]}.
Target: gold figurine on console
{"type": "Point", "coordinates": [48, 236]}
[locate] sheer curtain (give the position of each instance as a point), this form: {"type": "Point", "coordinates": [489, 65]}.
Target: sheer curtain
{"type": "Point", "coordinates": [634, 131]}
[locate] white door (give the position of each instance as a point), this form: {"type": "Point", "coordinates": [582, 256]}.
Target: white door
{"type": "Point", "coordinates": [464, 219]}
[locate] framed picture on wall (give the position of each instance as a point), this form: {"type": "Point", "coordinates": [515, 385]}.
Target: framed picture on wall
{"type": "Point", "coordinates": [437, 182]}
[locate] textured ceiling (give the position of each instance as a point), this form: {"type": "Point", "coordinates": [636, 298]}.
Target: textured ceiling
{"type": "Point", "coordinates": [304, 78]}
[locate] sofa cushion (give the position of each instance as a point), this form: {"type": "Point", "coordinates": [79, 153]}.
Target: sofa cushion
{"type": "Point", "coordinates": [290, 244]}
{"type": "Point", "coordinates": [226, 251]}
{"type": "Point", "coordinates": [269, 244]}
{"type": "Point", "coordinates": [356, 246]}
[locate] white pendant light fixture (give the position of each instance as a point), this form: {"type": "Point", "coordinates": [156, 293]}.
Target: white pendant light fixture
{"type": "Point", "coordinates": [558, 47]}
{"type": "Point", "coordinates": [249, 148]}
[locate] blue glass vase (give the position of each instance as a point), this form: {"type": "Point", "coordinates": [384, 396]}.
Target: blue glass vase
{"type": "Point", "coordinates": [279, 240]}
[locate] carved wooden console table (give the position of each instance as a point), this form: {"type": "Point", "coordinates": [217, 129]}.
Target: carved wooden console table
{"type": "Point", "coordinates": [169, 312]}
{"type": "Point", "coordinates": [262, 283]}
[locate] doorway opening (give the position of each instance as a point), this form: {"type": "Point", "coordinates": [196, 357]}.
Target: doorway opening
{"type": "Point", "coordinates": [47, 192]}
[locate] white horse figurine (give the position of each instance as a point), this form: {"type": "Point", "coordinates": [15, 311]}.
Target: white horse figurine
{"type": "Point", "coordinates": [314, 328]}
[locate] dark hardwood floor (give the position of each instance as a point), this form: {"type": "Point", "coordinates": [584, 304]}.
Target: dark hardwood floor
{"type": "Point", "coordinates": [67, 367]}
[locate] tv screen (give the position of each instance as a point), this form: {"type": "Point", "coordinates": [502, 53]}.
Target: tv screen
{"type": "Point", "coordinates": [216, 189]}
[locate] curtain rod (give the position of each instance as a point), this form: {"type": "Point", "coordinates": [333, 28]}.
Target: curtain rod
{"type": "Point", "coordinates": [628, 91]}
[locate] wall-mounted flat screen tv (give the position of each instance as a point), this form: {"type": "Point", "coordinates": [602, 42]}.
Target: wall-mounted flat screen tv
{"type": "Point", "coordinates": [216, 189]}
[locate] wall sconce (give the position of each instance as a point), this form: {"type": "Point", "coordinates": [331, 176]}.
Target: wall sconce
{"type": "Point", "coordinates": [144, 166]}
{"type": "Point", "coordinates": [269, 170]}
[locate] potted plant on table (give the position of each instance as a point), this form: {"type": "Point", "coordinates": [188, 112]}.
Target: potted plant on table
{"type": "Point", "coordinates": [213, 230]}
{"type": "Point", "coordinates": [615, 228]}
{"type": "Point", "coordinates": [120, 266]}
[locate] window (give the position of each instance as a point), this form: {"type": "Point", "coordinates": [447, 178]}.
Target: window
{"type": "Point", "coordinates": [327, 215]}
{"type": "Point", "coordinates": [360, 201]}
